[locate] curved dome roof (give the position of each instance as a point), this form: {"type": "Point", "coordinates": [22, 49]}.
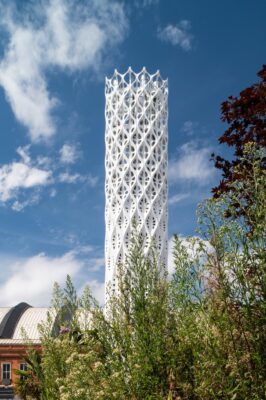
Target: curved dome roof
{"type": "Point", "coordinates": [29, 322]}
{"type": "Point", "coordinates": [21, 322]}
{"type": "Point", "coordinates": [3, 312]}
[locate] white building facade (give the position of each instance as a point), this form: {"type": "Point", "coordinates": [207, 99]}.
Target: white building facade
{"type": "Point", "coordinates": [136, 137]}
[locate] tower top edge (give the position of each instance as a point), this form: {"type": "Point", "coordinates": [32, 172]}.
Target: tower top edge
{"type": "Point", "coordinates": [129, 75]}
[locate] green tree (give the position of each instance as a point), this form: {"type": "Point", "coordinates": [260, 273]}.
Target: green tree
{"type": "Point", "coordinates": [198, 335]}
{"type": "Point", "coordinates": [236, 284]}
{"type": "Point", "coordinates": [30, 383]}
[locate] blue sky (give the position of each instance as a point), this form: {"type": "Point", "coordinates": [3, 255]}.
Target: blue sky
{"type": "Point", "coordinates": [54, 56]}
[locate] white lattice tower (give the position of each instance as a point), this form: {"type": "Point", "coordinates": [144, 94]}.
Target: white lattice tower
{"type": "Point", "coordinates": [136, 165]}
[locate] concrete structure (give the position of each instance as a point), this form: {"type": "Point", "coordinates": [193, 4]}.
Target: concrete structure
{"type": "Point", "coordinates": [136, 137]}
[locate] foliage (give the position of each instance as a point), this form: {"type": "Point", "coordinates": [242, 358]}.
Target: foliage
{"type": "Point", "coordinates": [198, 335]}
{"type": "Point", "coordinates": [234, 367]}
{"type": "Point", "coordinates": [246, 117]}
{"type": "Point", "coordinates": [127, 351]}
{"type": "Point", "coordinates": [30, 382]}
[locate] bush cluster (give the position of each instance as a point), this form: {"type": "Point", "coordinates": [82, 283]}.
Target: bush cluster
{"type": "Point", "coordinates": [196, 335]}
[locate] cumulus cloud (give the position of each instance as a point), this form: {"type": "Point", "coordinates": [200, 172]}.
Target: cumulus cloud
{"type": "Point", "coordinates": [22, 176]}
{"type": "Point", "coordinates": [192, 165]}
{"type": "Point", "coordinates": [68, 154]}
{"type": "Point", "coordinates": [18, 175]}
{"type": "Point", "coordinates": [70, 36]}
{"type": "Point", "coordinates": [177, 35]}
{"type": "Point", "coordinates": [32, 279]}
{"type": "Point", "coordinates": [97, 264]}
{"type": "Point", "coordinates": [22, 181]}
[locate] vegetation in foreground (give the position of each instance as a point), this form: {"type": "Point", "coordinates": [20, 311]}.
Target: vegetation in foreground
{"type": "Point", "coordinates": [197, 335]}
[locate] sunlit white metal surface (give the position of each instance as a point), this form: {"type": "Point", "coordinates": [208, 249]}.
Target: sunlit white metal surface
{"type": "Point", "coordinates": [29, 322]}
{"type": "Point", "coordinates": [136, 137]}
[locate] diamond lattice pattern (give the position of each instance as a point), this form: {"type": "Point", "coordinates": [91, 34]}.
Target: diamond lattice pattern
{"type": "Point", "coordinates": [136, 165]}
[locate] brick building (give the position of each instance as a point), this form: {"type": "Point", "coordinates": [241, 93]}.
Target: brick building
{"type": "Point", "coordinates": [16, 324]}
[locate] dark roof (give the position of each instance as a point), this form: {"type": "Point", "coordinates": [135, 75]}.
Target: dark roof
{"type": "Point", "coordinates": [10, 320]}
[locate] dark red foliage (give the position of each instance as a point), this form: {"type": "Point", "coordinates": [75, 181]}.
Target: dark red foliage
{"type": "Point", "coordinates": [246, 116]}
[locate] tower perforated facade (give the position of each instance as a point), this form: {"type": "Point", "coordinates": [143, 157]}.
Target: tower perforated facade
{"type": "Point", "coordinates": [136, 135]}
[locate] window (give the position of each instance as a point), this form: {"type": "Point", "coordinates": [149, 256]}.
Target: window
{"type": "Point", "coordinates": [6, 371]}
{"type": "Point", "coordinates": [22, 367]}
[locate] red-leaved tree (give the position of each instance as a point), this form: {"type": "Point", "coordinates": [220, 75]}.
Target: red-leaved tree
{"type": "Point", "coordinates": [246, 119]}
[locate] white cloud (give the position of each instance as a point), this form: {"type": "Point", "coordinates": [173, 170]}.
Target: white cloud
{"type": "Point", "coordinates": [31, 280]}
{"type": "Point", "coordinates": [21, 181]}
{"type": "Point", "coordinates": [20, 205]}
{"type": "Point", "coordinates": [44, 162]}
{"type": "Point", "coordinates": [193, 164]}
{"type": "Point", "coordinates": [53, 192]}
{"type": "Point", "coordinates": [178, 35]}
{"type": "Point", "coordinates": [94, 265]}
{"type": "Point", "coordinates": [66, 177]}
{"type": "Point", "coordinates": [91, 180]}
{"type": "Point", "coordinates": [85, 249]}
{"type": "Point", "coordinates": [189, 127]}
{"type": "Point", "coordinates": [56, 34]}
{"type": "Point", "coordinates": [23, 152]}
{"type": "Point", "coordinates": [176, 198]}
{"type": "Point", "coordinates": [191, 245]}
{"type": "Point", "coordinates": [145, 3]}
{"type": "Point", "coordinates": [18, 175]}
{"type": "Point", "coordinates": [68, 154]}
{"type": "Point", "coordinates": [148, 3]}
{"type": "Point", "coordinates": [97, 264]}
{"type": "Point", "coordinates": [98, 290]}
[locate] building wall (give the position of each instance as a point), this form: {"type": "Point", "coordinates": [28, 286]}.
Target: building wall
{"type": "Point", "coordinates": [136, 166]}
{"type": "Point", "coordinates": [13, 354]}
